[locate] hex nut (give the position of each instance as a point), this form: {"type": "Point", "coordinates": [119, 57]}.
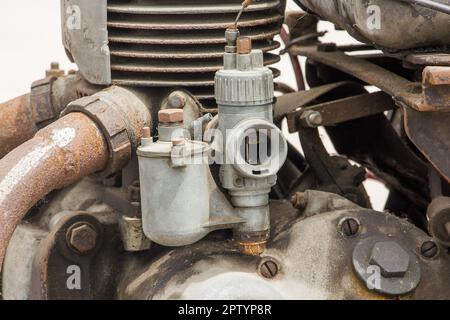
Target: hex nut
{"type": "Point", "coordinates": [371, 274]}
{"type": "Point", "coordinates": [392, 259]}
{"type": "Point", "coordinates": [171, 115]}
{"type": "Point", "coordinates": [244, 45]}
{"type": "Point", "coordinates": [82, 237]}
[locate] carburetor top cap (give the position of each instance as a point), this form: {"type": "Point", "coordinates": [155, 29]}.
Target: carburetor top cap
{"type": "Point", "coordinates": [244, 81]}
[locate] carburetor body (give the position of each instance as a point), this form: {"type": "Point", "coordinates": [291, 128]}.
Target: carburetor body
{"type": "Point", "coordinates": [251, 148]}
{"type": "Point", "coordinates": [254, 148]}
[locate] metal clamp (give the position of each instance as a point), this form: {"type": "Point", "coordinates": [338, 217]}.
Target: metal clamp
{"type": "Point", "coordinates": [41, 103]}
{"type": "Point", "coordinates": [114, 128]}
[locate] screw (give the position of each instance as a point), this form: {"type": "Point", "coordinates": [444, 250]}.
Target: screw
{"type": "Point", "coordinates": [177, 100]}
{"type": "Point", "coordinates": [349, 227]}
{"type": "Point", "coordinates": [299, 201]}
{"type": "Point", "coordinates": [269, 269]}
{"type": "Point", "coordinates": [429, 249]}
{"type": "Point", "coordinates": [82, 237]}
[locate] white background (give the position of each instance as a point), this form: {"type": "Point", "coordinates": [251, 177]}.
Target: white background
{"type": "Point", "coordinates": [30, 38]}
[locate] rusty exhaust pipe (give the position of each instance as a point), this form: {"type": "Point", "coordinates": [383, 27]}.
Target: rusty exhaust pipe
{"type": "Point", "coordinates": [97, 133]}
{"type": "Point", "coordinates": [16, 123]}
{"type": "Point", "coordinates": [62, 153]}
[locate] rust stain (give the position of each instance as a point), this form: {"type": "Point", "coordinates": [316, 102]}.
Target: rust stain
{"type": "Point", "coordinates": [59, 155]}
{"type": "Point", "coordinates": [17, 124]}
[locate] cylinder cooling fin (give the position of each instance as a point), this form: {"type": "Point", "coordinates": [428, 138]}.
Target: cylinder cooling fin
{"type": "Point", "coordinates": [179, 43]}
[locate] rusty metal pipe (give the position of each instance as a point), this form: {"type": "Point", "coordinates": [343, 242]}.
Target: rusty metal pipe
{"type": "Point", "coordinates": [22, 117]}
{"type": "Point", "coordinates": [16, 123]}
{"type": "Point", "coordinates": [62, 153]}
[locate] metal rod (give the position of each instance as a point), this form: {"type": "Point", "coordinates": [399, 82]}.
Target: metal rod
{"type": "Point", "coordinates": [245, 4]}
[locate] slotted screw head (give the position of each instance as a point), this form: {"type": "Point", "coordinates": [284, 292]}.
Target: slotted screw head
{"type": "Point", "coordinates": [269, 269]}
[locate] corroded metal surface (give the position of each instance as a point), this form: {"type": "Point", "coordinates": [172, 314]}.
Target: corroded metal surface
{"type": "Point", "coordinates": [429, 131]}
{"type": "Point", "coordinates": [22, 117]}
{"type": "Point", "coordinates": [436, 89]}
{"type": "Point", "coordinates": [16, 123]}
{"type": "Point", "coordinates": [121, 115]}
{"type": "Point", "coordinates": [391, 83]}
{"type": "Point", "coordinates": [429, 59]}
{"type": "Point", "coordinates": [59, 155]}
{"type": "Point", "coordinates": [290, 102]}
{"type": "Point", "coordinates": [343, 110]}
{"type": "Point", "coordinates": [312, 261]}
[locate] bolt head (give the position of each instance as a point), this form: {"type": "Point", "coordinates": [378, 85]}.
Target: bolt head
{"type": "Point", "coordinates": [171, 116]}
{"type": "Point", "coordinates": [315, 118]}
{"type": "Point", "coordinates": [177, 100]}
{"type": "Point", "coordinates": [312, 118]}
{"type": "Point", "coordinates": [349, 227]}
{"type": "Point", "coordinates": [429, 249]}
{"type": "Point", "coordinates": [299, 201]}
{"type": "Point", "coordinates": [83, 238]}
{"type": "Point", "coordinates": [392, 259]}
{"type": "Point", "coordinates": [269, 268]}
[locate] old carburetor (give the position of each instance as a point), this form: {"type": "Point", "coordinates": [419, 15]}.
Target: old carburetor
{"type": "Point", "coordinates": [159, 169]}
